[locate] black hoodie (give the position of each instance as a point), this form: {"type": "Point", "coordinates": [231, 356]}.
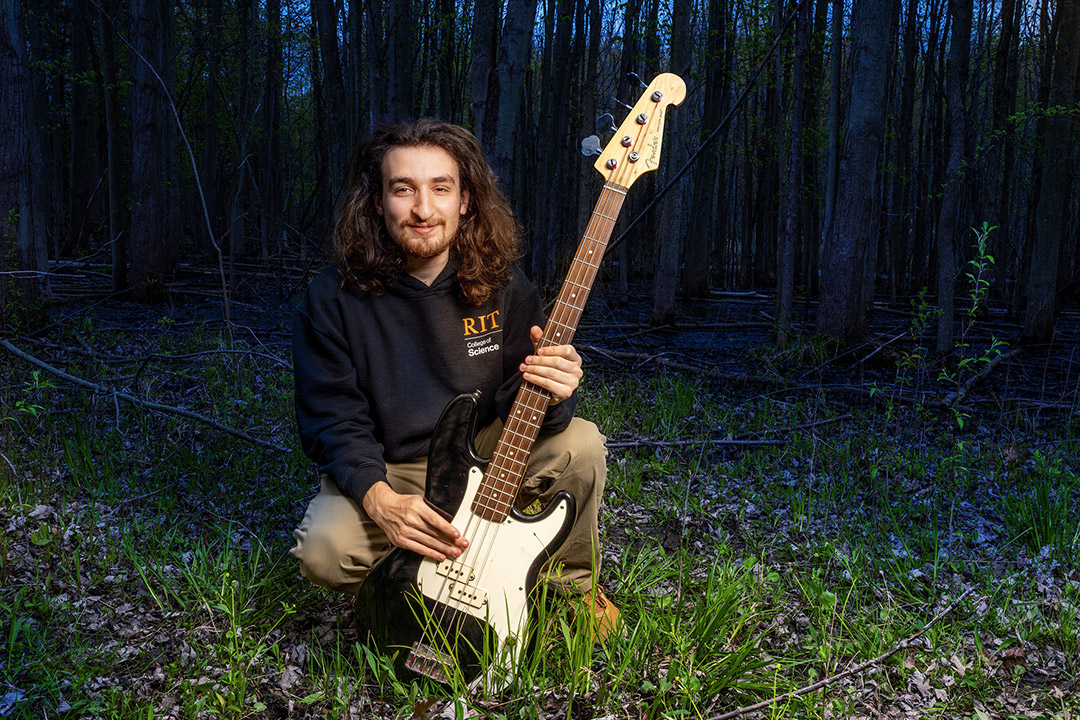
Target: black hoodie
{"type": "Point", "coordinates": [373, 372]}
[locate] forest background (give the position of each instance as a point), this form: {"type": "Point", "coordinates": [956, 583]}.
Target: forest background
{"type": "Point", "coordinates": [834, 345]}
{"type": "Point", "coordinates": [836, 152]}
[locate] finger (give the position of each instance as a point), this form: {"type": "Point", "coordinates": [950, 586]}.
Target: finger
{"type": "Point", "coordinates": [560, 387]}
{"type": "Point", "coordinates": [423, 542]}
{"type": "Point", "coordinates": [535, 334]}
{"type": "Point", "coordinates": [566, 352]}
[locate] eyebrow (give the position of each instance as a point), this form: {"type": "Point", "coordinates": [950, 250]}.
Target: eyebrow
{"type": "Point", "coordinates": [440, 180]}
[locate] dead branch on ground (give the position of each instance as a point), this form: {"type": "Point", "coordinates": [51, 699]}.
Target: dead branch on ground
{"type": "Point", "coordinates": [902, 645]}
{"type": "Point", "coordinates": [127, 397]}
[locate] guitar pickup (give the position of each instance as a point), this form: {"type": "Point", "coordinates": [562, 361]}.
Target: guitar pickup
{"type": "Point", "coordinates": [468, 594]}
{"type": "Point", "coordinates": [456, 571]}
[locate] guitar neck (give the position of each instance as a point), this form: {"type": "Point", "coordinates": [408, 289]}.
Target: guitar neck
{"type": "Point", "coordinates": [506, 470]}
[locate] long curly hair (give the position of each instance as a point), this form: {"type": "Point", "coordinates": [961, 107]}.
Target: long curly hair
{"type": "Point", "coordinates": [486, 245]}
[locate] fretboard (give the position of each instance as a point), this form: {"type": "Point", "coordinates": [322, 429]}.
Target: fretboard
{"type": "Point", "coordinates": [506, 470]}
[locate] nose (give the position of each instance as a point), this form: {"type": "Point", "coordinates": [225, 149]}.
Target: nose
{"type": "Point", "coordinates": [422, 206]}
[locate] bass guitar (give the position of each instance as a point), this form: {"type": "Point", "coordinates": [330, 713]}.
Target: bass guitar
{"type": "Point", "coordinates": [465, 619]}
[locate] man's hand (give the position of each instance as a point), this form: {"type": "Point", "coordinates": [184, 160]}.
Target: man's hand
{"type": "Point", "coordinates": [412, 524]}
{"type": "Point", "coordinates": [557, 369]}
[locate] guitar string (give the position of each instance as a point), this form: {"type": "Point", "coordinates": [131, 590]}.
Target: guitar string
{"type": "Point", "coordinates": [582, 275]}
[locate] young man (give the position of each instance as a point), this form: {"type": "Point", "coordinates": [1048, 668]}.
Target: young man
{"type": "Point", "coordinates": [424, 303]}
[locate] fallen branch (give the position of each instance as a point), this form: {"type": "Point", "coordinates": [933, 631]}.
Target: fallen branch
{"type": "Point", "coordinates": [641, 359]}
{"type": "Point", "coordinates": [902, 645]}
{"type": "Point", "coordinates": [708, 441]}
{"type": "Point", "coordinates": [150, 405]}
{"type": "Point", "coordinates": [975, 379]}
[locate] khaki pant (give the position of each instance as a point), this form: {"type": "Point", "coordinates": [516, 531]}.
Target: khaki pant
{"type": "Point", "coordinates": [337, 543]}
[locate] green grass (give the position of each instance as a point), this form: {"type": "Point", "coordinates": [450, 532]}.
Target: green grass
{"type": "Point", "coordinates": [145, 570]}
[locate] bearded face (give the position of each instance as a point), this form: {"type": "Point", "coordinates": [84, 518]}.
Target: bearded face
{"type": "Point", "coordinates": [422, 202]}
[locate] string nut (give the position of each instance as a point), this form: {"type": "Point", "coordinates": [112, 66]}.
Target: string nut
{"type": "Point", "coordinates": [642, 119]}
{"type": "Point", "coordinates": [612, 164]}
{"type": "Point", "coordinates": [657, 96]}
{"type": "Point", "coordinates": [627, 142]}
{"type": "Point", "coordinates": [633, 157]}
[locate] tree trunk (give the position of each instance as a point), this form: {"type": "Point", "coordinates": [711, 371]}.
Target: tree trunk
{"type": "Point", "coordinates": [832, 177]}
{"type": "Point", "coordinates": [22, 251]}
{"type": "Point", "coordinates": [270, 165]}
{"type": "Point", "coordinates": [154, 244]}
{"type": "Point", "coordinates": [82, 173]}
{"type": "Point", "coordinates": [118, 238]}
{"type": "Point", "coordinates": [665, 282]}
{"type": "Point", "coordinates": [708, 231]}
{"type": "Point", "coordinates": [210, 161]}
{"type": "Point", "coordinates": [899, 219]}
{"type": "Point", "coordinates": [842, 313]}
{"type": "Point", "coordinates": [1056, 182]}
{"type": "Point", "coordinates": [403, 49]}
{"type": "Point", "coordinates": [950, 227]}
{"type": "Point", "coordinates": [514, 53]}
{"type": "Point", "coordinates": [377, 67]}
{"type": "Point", "coordinates": [485, 43]}
{"type": "Point", "coordinates": [785, 291]}
{"type": "Point", "coordinates": [338, 131]}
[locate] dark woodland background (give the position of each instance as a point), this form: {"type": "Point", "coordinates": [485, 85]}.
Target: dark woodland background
{"type": "Point", "coordinates": [836, 152]}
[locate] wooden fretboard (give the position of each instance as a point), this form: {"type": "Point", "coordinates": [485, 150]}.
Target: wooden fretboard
{"type": "Point", "coordinates": [507, 467]}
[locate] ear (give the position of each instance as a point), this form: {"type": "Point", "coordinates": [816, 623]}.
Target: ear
{"type": "Point", "coordinates": [463, 208]}
{"type": "Point", "coordinates": [378, 203]}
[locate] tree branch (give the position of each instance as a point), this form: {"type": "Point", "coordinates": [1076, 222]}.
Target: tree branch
{"type": "Point", "coordinates": [150, 405]}
{"type": "Point", "coordinates": [902, 645]}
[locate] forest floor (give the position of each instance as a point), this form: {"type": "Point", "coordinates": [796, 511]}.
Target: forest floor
{"type": "Point", "coordinates": [774, 518]}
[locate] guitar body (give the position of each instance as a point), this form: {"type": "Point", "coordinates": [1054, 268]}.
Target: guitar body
{"type": "Point", "coordinates": [467, 615]}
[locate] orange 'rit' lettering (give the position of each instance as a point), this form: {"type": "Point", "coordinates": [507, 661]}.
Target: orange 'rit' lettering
{"type": "Point", "coordinates": [487, 322]}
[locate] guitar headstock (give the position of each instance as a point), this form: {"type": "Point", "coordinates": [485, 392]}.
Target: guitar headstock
{"type": "Point", "coordinates": [635, 147]}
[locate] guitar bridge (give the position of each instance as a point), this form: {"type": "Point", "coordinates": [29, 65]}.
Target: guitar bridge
{"type": "Point", "coordinates": [429, 662]}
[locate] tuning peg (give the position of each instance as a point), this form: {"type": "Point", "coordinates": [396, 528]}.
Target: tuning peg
{"type": "Point", "coordinates": [591, 146]}
{"type": "Point", "coordinates": [637, 78]}
{"type": "Point", "coordinates": [617, 101]}
{"type": "Point", "coordinates": [605, 124]}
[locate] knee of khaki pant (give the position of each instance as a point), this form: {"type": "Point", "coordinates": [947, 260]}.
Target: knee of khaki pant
{"type": "Point", "coordinates": [324, 560]}
{"type": "Point", "coordinates": [336, 543]}
{"type": "Point", "coordinates": [577, 456]}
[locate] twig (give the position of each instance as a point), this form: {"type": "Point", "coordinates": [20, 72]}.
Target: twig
{"type": "Point", "coordinates": [902, 645]}
{"type": "Point", "coordinates": [974, 379]}
{"type": "Point", "coordinates": [805, 426]}
{"type": "Point", "coordinates": [15, 477]}
{"type": "Point", "coordinates": [117, 395]}
{"type": "Point", "coordinates": [707, 441]}
{"type": "Point", "coordinates": [698, 370]}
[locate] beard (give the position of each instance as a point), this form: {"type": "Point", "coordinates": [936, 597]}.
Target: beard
{"type": "Point", "coordinates": [424, 246]}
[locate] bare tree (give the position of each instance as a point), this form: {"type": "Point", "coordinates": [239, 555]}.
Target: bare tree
{"type": "Point", "coordinates": [785, 290]}
{"type": "Point", "coordinates": [670, 239]}
{"type": "Point", "coordinates": [23, 256]}
{"type": "Point", "coordinates": [1055, 188]}
{"type": "Point", "coordinates": [155, 247]}
{"type": "Point", "coordinates": [842, 313]}
{"type": "Point", "coordinates": [950, 226]}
